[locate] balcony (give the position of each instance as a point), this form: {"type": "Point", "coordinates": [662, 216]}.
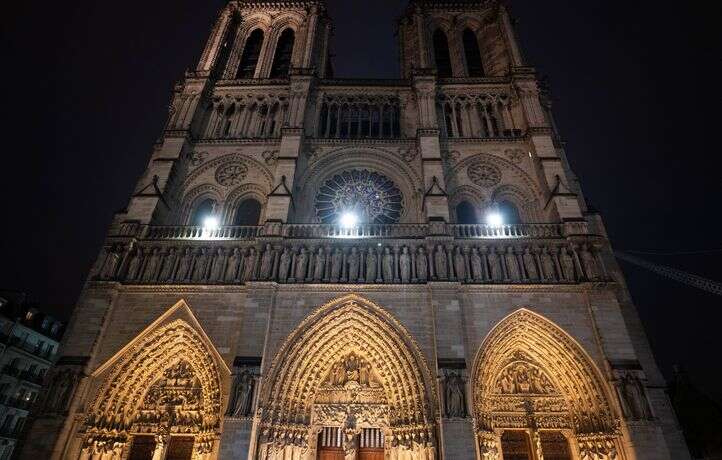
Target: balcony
{"type": "Point", "coordinates": [46, 354]}
{"type": "Point", "coordinates": [363, 254]}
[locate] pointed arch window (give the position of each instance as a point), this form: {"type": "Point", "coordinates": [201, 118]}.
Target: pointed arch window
{"type": "Point", "coordinates": [465, 213]}
{"type": "Point", "coordinates": [472, 53]}
{"type": "Point", "coordinates": [441, 54]}
{"type": "Point", "coordinates": [204, 210]}
{"type": "Point", "coordinates": [509, 213]}
{"type": "Point", "coordinates": [282, 57]}
{"type": "Point", "coordinates": [251, 54]}
{"type": "Point", "coordinates": [248, 213]}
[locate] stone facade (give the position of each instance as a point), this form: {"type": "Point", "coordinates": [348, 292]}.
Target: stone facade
{"type": "Point", "coordinates": [234, 313]}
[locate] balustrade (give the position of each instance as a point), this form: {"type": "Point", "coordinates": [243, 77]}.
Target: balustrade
{"type": "Point", "coordinates": [476, 116]}
{"type": "Point", "coordinates": [356, 117]}
{"type": "Point", "coordinates": [182, 232]}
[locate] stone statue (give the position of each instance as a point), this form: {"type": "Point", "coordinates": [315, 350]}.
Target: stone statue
{"type": "Point", "coordinates": [217, 266]}
{"type": "Point", "coordinates": [266, 263]}
{"type": "Point", "coordinates": [249, 264]}
{"type": "Point", "coordinates": [548, 265]}
{"type": "Point", "coordinates": [405, 265]}
{"type": "Point", "coordinates": [440, 263]}
{"type": "Point", "coordinates": [319, 270]}
{"type": "Point", "coordinates": [422, 265]}
{"type": "Point", "coordinates": [353, 265]}
{"type": "Point", "coordinates": [512, 266]}
{"type": "Point", "coordinates": [589, 264]}
{"type": "Point", "coordinates": [455, 400]}
{"type": "Point", "coordinates": [60, 391]}
{"type": "Point", "coordinates": [336, 265]}
{"type": "Point", "coordinates": [134, 266]}
{"type": "Point", "coordinates": [284, 265]}
{"type": "Point", "coordinates": [460, 264]}
{"type": "Point", "coordinates": [241, 401]}
{"type": "Point", "coordinates": [166, 271]}
{"type": "Point", "coordinates": [388, 265]}
{"type": "Point", "coordinates": [110, 265]}
{"type": "Point", "coordinates": [199, 270]}
{"type": "Point", "coordinates": [371, 261]}
{"type": "Point", "coordinates": [232, 267]}
{"type": "Point", "coordinates": [151, 269]}
{"type": "Point", "coordinates": [567, 264]}
{"type": "Point", "coordinates": [495, 265]}
{"type": "Point", "coordinates": [301, 265]}
{"type": "Point", "coordinates": [476, 262]}
{"type": "Point", "coordinates": [183, 273]}
{"type": "Point", "coordinates": [633, 400]}
{"type": "Point", "coordinates": [350, 444]}
{"type": "Point", "coordinates": [530, 265]}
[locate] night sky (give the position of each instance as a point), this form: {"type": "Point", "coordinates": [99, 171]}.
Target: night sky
{"type": "Point", "coordinates": [87, 85]}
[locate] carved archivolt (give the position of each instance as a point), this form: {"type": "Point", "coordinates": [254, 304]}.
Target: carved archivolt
{"type": "Point", "coordinates": [352, 364]}
{"type": "Point", "coordinates": [168, 381]}
{"type": "Point", "coordinates": [528, 366]}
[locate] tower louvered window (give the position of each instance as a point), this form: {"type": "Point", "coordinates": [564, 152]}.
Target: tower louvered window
{"type": "Point", "coordinates": [473, 55]}
{"type": "Point", "coordinates": [282, 57]}
{"type": "Point", "coordinates": [441, 53]}
{"type": "Point", "coordinates": [251, 54]}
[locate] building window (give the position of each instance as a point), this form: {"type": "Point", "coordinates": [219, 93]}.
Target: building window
{"type": "Point", "coordinates": [509, 213]}
{"type": "Point", "coordinates": [248, 213]}
{"type": "Point", "coordinates": [282, 58]}
{"type": "Point", "coordinates": [465, 213]}
{"type": "Point", "coordinates": [251, 54]}
{"type": "Point", "coordinates": [473, 55]}
{"type": "Point", "coordinates": [204, 210]}
{"type": "Point", "coordinates": [441, 53]}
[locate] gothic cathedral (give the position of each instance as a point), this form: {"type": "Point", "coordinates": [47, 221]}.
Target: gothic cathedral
{"type": "Point", "coordinates": [322, 268]}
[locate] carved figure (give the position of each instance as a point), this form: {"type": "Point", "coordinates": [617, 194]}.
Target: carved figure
{"type": "Point", "coordinates": [476, 265]}
{"type": "Point", "coordinates": [422, 265]}
{"type": "Point", "coordinates": [266, 263]}
{"type": "Point", "coordinates": [152, 268]}
{"type": "Point", "coordinates": [217, 266]}
{"type": "Point", "coordinates": [590, 265]}
{"type": "Point", "coordinates": [166, 271]}
{"type": "Point", "coordinates": [405, 265]}
{"type": "Point", "coordinates": [134, 266]}
{"type": "Point", "coordinates": [512, 266]}
{"type": "Point", "coordinates": [199, 270]}
{"type": "Point", "coordinates": [530, 265]}
{"type": "Point", "coordinates": [441, 263]}
{"type": "Point", "coordinates": [388, 265]}
{"type": "Point", "coordinates": [548, 265]}
{"type": "Point", "coordinates": [249, 264]}
{"type": "Point", "coordinates": [459, 264]}
{"type": "Point", "coordinates": [455, 399]}
{"type": "Point", "coordinates": [495, 265]}
{"type": "Point", "coordinates": [567, 264]}
{"type": "Point", "coordinates": [634, 401]}
{"type": "Point", "coordinates": [353, 265]}
{"type": "Point", "coordinates": [241, 395]}
{"type": "Point", "coordinates": [110, 265]}
{"type": "Point", "coordinates": [301, 263]}
{"type": "Point", "coordinates": [233, 263]}
{"type": "Point", "coordinates": [284, 265]}
{"type": "Point", "coordinates": [371, 261]}
{"type": "Point", "coordinates": [336, 265]}
{"type": "Point", "coordinates": [183, 273]}
{"type": "Point", "coordinates": [319, 270]}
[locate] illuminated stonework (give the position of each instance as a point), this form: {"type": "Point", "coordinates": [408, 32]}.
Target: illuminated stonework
{"type": "Point", "coordinates": [373, 197]}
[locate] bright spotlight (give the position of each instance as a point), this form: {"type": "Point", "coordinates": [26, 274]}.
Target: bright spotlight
{"type": "Point", "coordinates": [349, 220]}
{"type": "Point", "coordinates": [494, 219]}
{"type": "Point", "coordinates": [211, 223]}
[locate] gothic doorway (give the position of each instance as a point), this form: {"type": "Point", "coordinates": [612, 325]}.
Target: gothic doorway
{"type": "Point", "coordinates": [356, 375]}
{"type": "Point", "coordinates": [536, 391]}
{"type": "Point", "coordinates": [515, 445]}
{"type": "Point", "coordinates": [180, 448]}
{"type": "Point", "coordinates": [142, 448]}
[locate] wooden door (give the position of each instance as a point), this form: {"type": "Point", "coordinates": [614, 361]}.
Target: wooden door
{"type": "Point", "coordinates": [555, 446]}
{"type": "Point", "coordinates": [142, 448]}
{"type": "Point", "coordinates": [370, 454]}
{"type": "Point", "coordinates": [330, 444]}
{"type": "Point", "coordinates": [330, 453]}
{"type": "Point", "coordinates": [515, 445]}
{"type": "Point", "coordinates": [180, 448]}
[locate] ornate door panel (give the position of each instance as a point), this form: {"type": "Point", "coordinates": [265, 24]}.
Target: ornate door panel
{"type": "Point", "coordinates": [180, 448]}
{"type": "Point", "coordinates": [555, 446]}
{"type": "Point", "coordinates": [330, 444]}
{"type": "Point", "coordinates": [371, 454]}
{"type": "Point", "coordinates": [142, 448]}
{"type": "Point", "coordinates": [330, 453]}
{"type": "Point", "coordinates": [515, 445]}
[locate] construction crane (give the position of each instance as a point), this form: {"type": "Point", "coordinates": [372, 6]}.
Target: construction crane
{"type": "Point", "coordinates": [680, 276]}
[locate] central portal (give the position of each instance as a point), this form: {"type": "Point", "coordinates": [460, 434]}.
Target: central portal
{"type": "Point", "coordinates": [370, 442]}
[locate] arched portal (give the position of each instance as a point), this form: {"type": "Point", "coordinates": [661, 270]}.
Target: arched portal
{"type": "Point", "coordinates": [160, 397]}
{"type": "Point", "coordinates": [532, 381]}
{"type": "Point", "coordinates": [351, 379]}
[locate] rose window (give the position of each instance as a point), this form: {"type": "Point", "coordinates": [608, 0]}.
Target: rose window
{"type": "Point", "coordinates": [231, 174]}
{"type": "Point", "coordinates": [370, 196]}
{"type": "Point", "coordinates": [484, 174]}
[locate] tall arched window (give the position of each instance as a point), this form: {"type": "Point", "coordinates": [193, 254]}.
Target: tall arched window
{"type": "Point", "coordinates": [472, 53]}
{"type": "Point", "coordinates": [441, 53]}
{"type": "Point", "coordinates": [248, 213]}
{"type": "Point", "coordinates": [202, 211]}
{"type": "Point", "coordinates": [282, 58]}
{"type": "Point", "coordinates": [465, 213]}
{"type": "Point", "coordinates": [251, 54]}
{"type": "Point", "coordinates": [509, 213]}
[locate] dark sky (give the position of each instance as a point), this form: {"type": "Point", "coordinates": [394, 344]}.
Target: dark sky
{"type": "Point", "coordinates": [86, 85]}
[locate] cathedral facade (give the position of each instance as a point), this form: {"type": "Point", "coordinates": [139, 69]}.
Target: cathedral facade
{"type": "Point", "coordinates": [322, 268]}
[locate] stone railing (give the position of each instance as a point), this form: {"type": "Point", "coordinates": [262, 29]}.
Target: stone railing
{"type": "Point", "coordinates": [507, 231]}
{"type": "Point", "coordinates": [355, 232]}
{"type": "Point", "coordinates": [202, 233]}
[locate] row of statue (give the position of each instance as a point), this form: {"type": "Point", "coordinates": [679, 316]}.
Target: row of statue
{"type": "Point", "coordinates": [352, 264]}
